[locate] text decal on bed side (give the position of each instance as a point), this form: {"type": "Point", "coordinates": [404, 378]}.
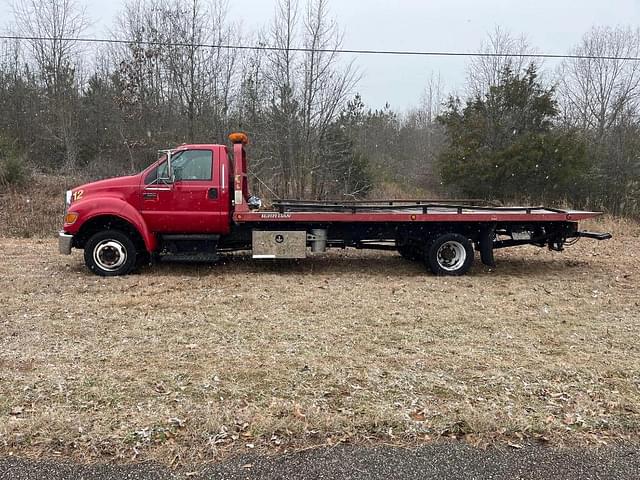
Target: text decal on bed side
{"type": "Point", "coordinates": [275, 215]}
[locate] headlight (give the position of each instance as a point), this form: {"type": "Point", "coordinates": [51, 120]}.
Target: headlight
{"type": "Point", "coordinates": [67, 199]}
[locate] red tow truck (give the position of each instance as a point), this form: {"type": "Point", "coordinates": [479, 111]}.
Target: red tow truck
{"type": "Point", "coordinates": [194, 203]}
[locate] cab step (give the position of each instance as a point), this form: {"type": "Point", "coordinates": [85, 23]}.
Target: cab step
{"type": "Point", "coordinates": [195, 248]}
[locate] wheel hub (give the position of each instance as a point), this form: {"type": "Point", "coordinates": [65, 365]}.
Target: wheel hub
{"type": "Point", "coordinates": [110, 255]}
{"type": "Point", "coordinates": [451, 256]}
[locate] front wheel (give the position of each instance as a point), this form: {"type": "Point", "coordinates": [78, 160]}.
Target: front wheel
{"type": "Point", "coordinates": [110, 253]}
{"type": "Point", "coordinates": [450, 254]}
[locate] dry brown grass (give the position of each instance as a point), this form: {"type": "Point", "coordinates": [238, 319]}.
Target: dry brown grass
{"type": "Point", "coordinates": [182, 363]}
{"type": "Point", "coordinates": [36, 209]}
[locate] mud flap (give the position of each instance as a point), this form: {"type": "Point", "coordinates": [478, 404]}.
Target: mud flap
{"type": "Point", "coordinates": [486, 246]}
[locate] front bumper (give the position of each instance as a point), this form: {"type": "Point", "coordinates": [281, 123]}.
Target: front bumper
{"type": "Point", "coordinates": [65, 242]}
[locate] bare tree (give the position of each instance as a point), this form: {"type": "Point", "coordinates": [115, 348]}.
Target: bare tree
{"type": "Point", "coordinates": [53, 26]}
{"type": "Point", "coordinates": [224, 75]}
{"type": "Point", "coordinates": [598, 91]}
{"type": "Point", "coordinates": [308, 91]}
{"type": "Point", "coordinates": [18, 101]}
{"type": "Point", "coordinates": [501, 46]}
{"type": "Point", "coordinates": [430, 138]}
{"type": "Point", "coordinates": [601, 98]}
{"type": "Point", "coordinates": [326, 87]}
{"type": "Point", "coordinates": [432, 100]}
{"type": "Point", "coordinates": [280, 75]}
{"type": "Point", "coordinates": [186, 57]}
{"type": "Point", "coordinates": [140, 80]}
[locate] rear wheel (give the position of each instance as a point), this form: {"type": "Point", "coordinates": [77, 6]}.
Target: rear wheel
{"type": "Point", "coordinates": [449, 254]}
{"type": "Point", "coordinates": [110, 253]}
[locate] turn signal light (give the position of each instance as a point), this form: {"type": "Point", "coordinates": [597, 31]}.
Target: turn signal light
{"type": "Point", "coordinates": [239, 137]}
{"type": "Point", "coordinates": [70, 218]}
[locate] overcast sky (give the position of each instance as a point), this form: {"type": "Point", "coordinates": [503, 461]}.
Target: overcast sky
{"type": "Point", "coordinates": [552, 26]}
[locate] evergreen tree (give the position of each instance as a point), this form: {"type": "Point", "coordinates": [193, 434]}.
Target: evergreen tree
{"type": "Point", "coordinates": [502, 145]}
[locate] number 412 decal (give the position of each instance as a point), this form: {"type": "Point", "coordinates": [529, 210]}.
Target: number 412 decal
{"type": "Point", "coordinates": [78, 195]}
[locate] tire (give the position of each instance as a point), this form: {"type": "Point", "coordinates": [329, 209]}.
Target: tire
{"type": "Point", "coordinates": [409, 252]}
{"type": "Point", "coordinates": [110, 253]}
{"type": "Point", "coordinates": [450, 254]}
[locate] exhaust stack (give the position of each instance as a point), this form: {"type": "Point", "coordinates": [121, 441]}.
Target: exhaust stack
{"type": "Point", "coordinates": [241, 187]}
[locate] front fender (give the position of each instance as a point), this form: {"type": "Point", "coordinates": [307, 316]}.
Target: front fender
{"type": "Point", "coordinates": [93, 207]}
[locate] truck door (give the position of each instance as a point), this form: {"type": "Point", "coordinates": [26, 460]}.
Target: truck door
{"type": "Point", "coordinates": [192, 203]}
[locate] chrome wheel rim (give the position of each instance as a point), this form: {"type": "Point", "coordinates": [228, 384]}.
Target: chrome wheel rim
{"type": "Point", "coordinates": [451, 256]}
{"type": "Point", "coordinates": [109, 255]}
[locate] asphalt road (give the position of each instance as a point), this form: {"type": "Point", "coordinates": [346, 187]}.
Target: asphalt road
{"type": "Point", "coordinates": [450, 461]}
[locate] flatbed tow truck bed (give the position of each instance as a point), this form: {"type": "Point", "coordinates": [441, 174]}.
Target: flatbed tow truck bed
{"type": "Point", "coordinates": [407, 211]}
{"type": "Point", "coordinates": [442, 233]}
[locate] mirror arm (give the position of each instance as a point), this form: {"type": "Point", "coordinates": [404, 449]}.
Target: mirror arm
{"type": "Point", "coordinates": [170, 176]}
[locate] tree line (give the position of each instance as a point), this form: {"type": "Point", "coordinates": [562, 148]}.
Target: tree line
{"type": "Point", "coordinates": [520, 131]}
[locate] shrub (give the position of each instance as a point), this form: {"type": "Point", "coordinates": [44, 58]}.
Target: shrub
{"type": "Point", "coordinates": [13, 171]}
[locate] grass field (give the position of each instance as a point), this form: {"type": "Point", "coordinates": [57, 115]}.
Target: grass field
{"type": "Point", "coordinates": [181, 363]}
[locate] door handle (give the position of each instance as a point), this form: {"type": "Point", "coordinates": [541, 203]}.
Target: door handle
{"type": "Point", "coordinates": [212, 194]}
{"type": "Point", "coordinates": [150, 196]}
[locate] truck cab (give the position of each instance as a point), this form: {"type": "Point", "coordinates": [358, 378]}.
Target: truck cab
{"type": "Point", "coordinates": [195, 198]}
{"type": "Point", "coordinates": [181, 204]}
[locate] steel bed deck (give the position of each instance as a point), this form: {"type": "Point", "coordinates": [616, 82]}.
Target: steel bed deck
{"type": "Point", "coordinates": [406, 211]}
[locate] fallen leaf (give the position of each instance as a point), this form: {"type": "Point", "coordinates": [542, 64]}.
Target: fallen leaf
{"type": "Point", "coordinates": [418, 416]}
{"type": "Point", "coordinates": [297, 412]}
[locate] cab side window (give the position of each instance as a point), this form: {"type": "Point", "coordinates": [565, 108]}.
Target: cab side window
{"type": "Point", "coordinates": [194, 165]}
